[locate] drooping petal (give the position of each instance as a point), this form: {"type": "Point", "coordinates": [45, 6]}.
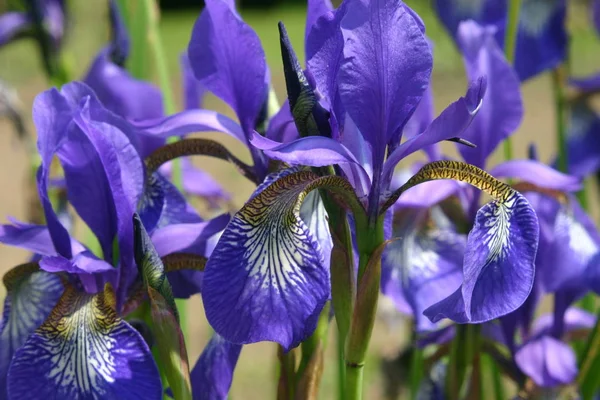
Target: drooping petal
{"type": "Point", "coordinates": [583, 140]}
{"type": "Point", "coordinates": [213, 373]}
{"type": "Point", "coordinates": [11, 24]}
{"type": "Point", "coordinates": [450, 123]}
{"type": "Point", "coordinates": [269, 261]}
{"type": "Point", "coordinates": [31, 295]}
{"type": "Point", "coordinates": [385, 69]}
{"type": "Point", "coordinates": [423, 265]}
{"type": "Point", "coordinates": [537, 173]}
{"type": "Point", "coordinates": [84, 350]}
{"type": "Point", "coordinates": [501, 111]}
{"type": "Point", "coordinates": [227, 58]}
{"type": "Point", "coordinates": [548, 361]}
{"type": "Point", "coordinates": [498, 264]}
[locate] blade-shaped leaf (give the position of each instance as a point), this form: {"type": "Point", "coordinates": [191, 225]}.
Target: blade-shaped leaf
{"type": "Point", "coordinates": [169, 338]}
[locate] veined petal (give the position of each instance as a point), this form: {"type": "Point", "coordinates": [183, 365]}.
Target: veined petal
{"type": "Point", "coordinates": [501, 111]}
{"type": "Point", "coordinates": [84, 351]}
{"type": "Point", "coordinates": [537, 173]}
{"type": "Point", "coordinates": [227, 58]}
{"type": "Point", "coordinates": [498, 264]}
{"type": "Point", "coordinates": [314, 215]}
{"type": "Point", "coordinates": [271, 264]}
{"type": "Point", "coordinates": [31, 295]}
{"type": "Point", "coordinates": [378, 85]}
{"type": "Point", "coordinates": [423, 266]}
{"type": "Point", "coordinates": [548, 361]}
{"type": "Point", "coordinates": [213, 373]}
{"type": "Point", "coordinates": [450, 123]}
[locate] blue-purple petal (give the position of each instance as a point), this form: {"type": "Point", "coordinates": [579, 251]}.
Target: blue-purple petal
{"type": "Point", "coordinates": [84, 350]}
{"type": "Point", "coordinates": [547, 361]}
{"type": "Point", "coordinates": [227, 58]}
{"type": "Point", "coordinates": [501, 111]}
{"type": "Point", "coordinates": [212, 375]}
{"type": "Point", "coordinates": [385, 69]}
{"type": "Point", "coordinates": [537, 173]}
{"type": "Point", "coordinates": [11, 24]}
{"type": "Point", "coordinates": [27, 304]}
{"type": "Point", "coordinates": [583, 140]}
{"type": "Point", "coordinates": [498, 265]}
{"type": "Point", "coordinates": [266, 279]}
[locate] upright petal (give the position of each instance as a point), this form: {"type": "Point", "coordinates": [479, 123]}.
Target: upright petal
{"type": "Point", "coordinates": [213, 373]}
{"type": "Point", "coordinates": [420, 120]}
{"type": "Point", "coordinates": [228, 59]}
{"type": "Point", "coordinates": [498, 264]}
{"type": "Point", "coordinates": [120, 42]}
{"type": "Point", "coordinates": [501, 111]}
{"type": "Point", "coordinates": [84, 350]}
{"type": "Point", "coordinates": [31, 295]}
{"type": "Point", "coordinates": [193, 91]}
{"type": "Point", "coordinates": [271, 264]}
{"type": "Point", "coordinates": [315, 9]}
{"type": "Point", "coordinates": [386, 67]}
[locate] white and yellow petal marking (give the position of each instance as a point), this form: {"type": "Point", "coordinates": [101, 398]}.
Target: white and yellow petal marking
{"type": "Point", "coordinates": [84, 351]}
{"type": "Point", "coordinates": [31, 295]}
{"type": "Point", "coordinates": [499, 262]}
{"type": "Point", "coordinates": [266, 279]}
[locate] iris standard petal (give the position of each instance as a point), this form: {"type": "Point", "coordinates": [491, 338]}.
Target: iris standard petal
{"type": "Point", "coordinates": [498, 264]}
{"type": "Point", "coordinates": [450, 123]}
{"type": "Point", "coordinates": [420, 120]}
{"type": "Point", "coordinates": [84, 351]}
{"type": "Point", "coordinates": [193, 91]}
{"type": "Point", "coordinates": [31, 295]}
{"type": "Point", "coordinates": [501, 111]}
{"type": "Point", "coordinates": [385, 69]}
{"type": "Point", "coordinates": [315, 9]}
{"type": "Point", "coordinates": [271, 267]}
{"type": "Point", "coordinates": [423, 266]}
{"type": "Point", "coordinates": [548, 361]}
{"type": "Point", "coordinates": [537, 173]}
{"type": "Point", "coordinates": [213, 373]}
{"type": "Point", "coordinates": [120, 92]}
{"type": "Point", "coordinates": [227, 58]}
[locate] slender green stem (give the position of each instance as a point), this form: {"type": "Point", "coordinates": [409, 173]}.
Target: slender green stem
{"type": "Point", "coordinates": [491, 366]}
{"type": "Point", "coordinates": [341, 364]}
{"type": "Point", "coordinates": [510, 44]}
{"type": "Point", "coordinates": [559, 76]}
{"type": "Point", "coordinates": [416, 369]}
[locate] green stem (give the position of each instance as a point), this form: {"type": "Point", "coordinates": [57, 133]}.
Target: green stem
{"type": "Point", "coordinates": [416, 369]}
{"type": "Point", "coordinates": [370, 242]}
{"type": "Point", "coordinates": [510, 44]}
{"type": "Point", "coordinates": [558, 84]}
{"type": "Point", "coordinates": [341, 364]}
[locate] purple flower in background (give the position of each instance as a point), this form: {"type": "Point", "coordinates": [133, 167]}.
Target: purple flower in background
{"type": "Point", "coordinates": [541, 37]}
{"type": "Point", "coordinates": [49, 14]}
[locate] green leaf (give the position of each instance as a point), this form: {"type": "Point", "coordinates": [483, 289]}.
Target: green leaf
{"type": "Point", "coordinates": [165, 318]}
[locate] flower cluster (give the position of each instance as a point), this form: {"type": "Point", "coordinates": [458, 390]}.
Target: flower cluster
{"type": "Point", "coordinates": [332, 223]}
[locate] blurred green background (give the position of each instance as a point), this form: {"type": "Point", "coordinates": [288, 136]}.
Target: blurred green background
{"type": "Point", "coordinates": [255, 377]}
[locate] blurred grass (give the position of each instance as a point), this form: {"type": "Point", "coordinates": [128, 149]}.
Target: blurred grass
{"type": "Point", "coordinates": [255, 376]}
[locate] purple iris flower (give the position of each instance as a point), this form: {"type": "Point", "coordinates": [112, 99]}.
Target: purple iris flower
{"type": "Point", "coordinates": [370, 79]}
{"type": "Point", "coordinates": [541, 37]}
{"type": "Point", "coordinates": [105, 182]}
{"type": "Point", "coordinates": [433, 273]}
